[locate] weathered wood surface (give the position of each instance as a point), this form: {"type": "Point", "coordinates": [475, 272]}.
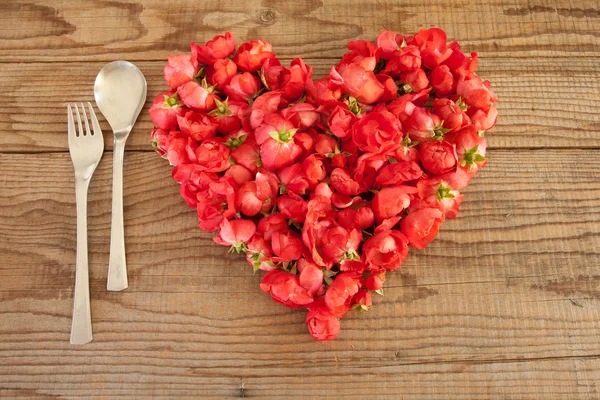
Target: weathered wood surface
{"type": "Point", "coordinates": [503, 305]}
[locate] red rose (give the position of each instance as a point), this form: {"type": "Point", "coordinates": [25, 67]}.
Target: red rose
{"type": "Point", "coordinates": [421, 124]}
{"type": "Point", "coordinates": [266, 103]}
{"type": "Point", "coordinates": [357, 216]}
{"type": "Point", "coordinates": [388, 42]}
{"type": "Point", "coordinates": [293, 79]}
{"type": "Point", "coordinates": [438, 193]}
{"type": "Point", "coordinates": [338, 297]}
{"type": "Point", "coordinates": [375, 280]}
{"type": "Point", "coordinates": [386, 250]}
{"type": "Point", "coordinates": [242, 87]}
{"type": "Point", "coordinates": [251, 55]}
{"type": "Point", "coordinates": [196, 97]}
{"type": "Point", "coordinates": [270, 74]}
{"type": "Point", "coordinates": [343, 183]}
{"type": "Point", "coordinates": [442, 81]}
{"type": "Point", "coordinates": [259, 254]}
{"type": "Point", "coordinates": [414, 80]}
{"type": "Point", "coordinates": [376, 129]}
{"type": "Point", "coordinates": [390, 89]}
{"type": "Point", "coordinates": [246, 154]}
{"type": "Point", "coordinates": [180, 68]}
{"type": "Point", "coordinates": [293, 207]}
{"type": "Point", "coordinates": [340, 121]}
{"type": "Point", "coordinates": [219, 47]}
{"type": "Point", "coordinates": [176, 147]}
{"type": "Point", "coordinates": [239, 174]}
{"type": "Point", "coordinates": [475, 92]}
{"type": "Point", "coordinates": [405, 59]}
{"type": "Point", "coordinates": [311, 277]}
{"type": "Point", "coordinates": [322, 325]}
{"type": "Point", "coordinates": [227, 115]}
{"type": "Point", "coordinates": [363, 300]}
{"type": "Point", "coordinates": [367, 167]}
{"type": "Point", "coordinates": [400, 172]}
{"type": "Point", "coordinates": [221, 73]}
{"type": "Point", "coordinates": [276, 139]}
{"type": "Point", "coordinates": [421, 226]}
{"type": "Point", "coordinates": [197, 125]}
{"type": "Point", "coordinates": [285, 289]}
{"type": "Point", "coordinates": [432, 43]}
{"type": "Point", "coordinates": [470, 150]}
{"type": "Point", "coordinates": [302, 115]}
{"type": "Point", "coordinates": [165, 109]}
{"type": "Point", "coordinates": [484, 120]}
{"type": "Point", "coordinates": [286, 245]}
{"type": "Point", "coordinates": [235, 233]}
{"type": "Point", "coordinates": [359, 83]}
{"type": "Point", "coordinates": [438, 156]}
{"type": "Point", "coordinates": [159, 140]}
{"type": "Point", "coordinates": [391, 201]}
{"type": "Point", "coordinates": [272, 223]}
{"type": "Point", "coordinates": [293, 179]}
{"type": "Point", "coordinates": [323, 90]}
{"type": "Point", "coordinates": [216, 203]}
{"type": "Point", "coordinates": [314, 170]}
{"type": "Point", "coordinates": [198, 181]}
{"type": "Point", "coordinates": [212, 155]}
{"type": "Point", "coordinates": [454, 118]}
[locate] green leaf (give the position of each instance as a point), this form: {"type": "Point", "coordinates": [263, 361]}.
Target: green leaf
{"type": "Point", "coordinates": [379, 291]}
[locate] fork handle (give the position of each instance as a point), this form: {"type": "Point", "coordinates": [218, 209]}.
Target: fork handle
{"type": "Point", "coordinates": [81, 328]}
{"type": "Point", "coordinates": [117, 266]}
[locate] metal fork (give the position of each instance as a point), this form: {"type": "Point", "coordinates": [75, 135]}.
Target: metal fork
{"type": "Point", "coordinates": [86, 149]}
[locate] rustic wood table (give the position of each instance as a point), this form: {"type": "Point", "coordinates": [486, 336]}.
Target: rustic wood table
{"type": "Point", "coordinates": [505, 304]}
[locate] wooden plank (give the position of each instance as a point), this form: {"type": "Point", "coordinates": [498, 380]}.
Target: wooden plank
{"type": "Point", "coordinates": [149, 30]}
{"type": "Point", "coordinates": [504, 302]}
{"type": "Point", "coordinates": [543, 103]}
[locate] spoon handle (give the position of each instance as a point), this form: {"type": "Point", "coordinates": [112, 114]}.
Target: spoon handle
{"type": "Point", "coordinates": [117, 267]}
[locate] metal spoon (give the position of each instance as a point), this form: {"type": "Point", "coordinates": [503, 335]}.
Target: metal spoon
{"type": "Point", "coordinates": [120, 92]}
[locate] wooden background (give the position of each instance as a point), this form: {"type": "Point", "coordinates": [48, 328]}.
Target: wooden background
{"type": "Point", "coordinates": [505, 304]}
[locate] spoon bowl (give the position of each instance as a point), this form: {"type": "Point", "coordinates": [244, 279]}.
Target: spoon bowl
{"type": "Point", "coordinates": [120, 93]}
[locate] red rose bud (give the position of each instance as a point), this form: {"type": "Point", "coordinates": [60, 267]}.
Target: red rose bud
{"type": "Point", "coordinates": [390, 90]}
{"type": "Point", "coordinates": [359, 83]}
{"type": "Point", "coordinates": [198, 126]}
{"type": "Point", "coordinates": [266, 103]}
{"type": "Point", "coordinates": [475, 92]}
{"type": "Point", "coordinates": [239, 174]}
{"type": "Point", "coordinates": [221, 73]}
{"type": "Point", "coordinates": [235, 233]}
{"type": "Point", "coordinates": [196, 97]}
{"type": "Point", "coordinates": [246, 154]}
{"type": "Point", "coordinates": [323, 90]}
{"type": "Point", "coordinates": [159, 140]}
{"type": "Point", "coordinates": [363, 300]}
{"type": "Point", "coordinates": [470, 150]}
{"type": "Point", "coordinates": [322, 325]}
{"type": "Point", "coordinates": [432, 43]}
{"type": "Point", "coordinates": [438, 156]}
{"type": "Point", "coordinates": [443, 81]}
{"type": "Point", "coordinates": [421, 227]}
{"type": "Point", "coordinates": [341, 120]}
{"type": "Point", "coordinates": [405, 59]}
{"type": "Point", "coordinates": [285, 289]}
{"type": "Point", "coordinates": [438, 193]}
{"type": "Point", "coordinates": [270, 73]}
{"type": "Point", "coordinates": [311, 277]}
{"type": "Point", "coordinates": [242, 87]}
{"type": "Point", "coordinates": [226, 115]}
{"type": "Point", "coordinates": [293, 80]}
{"type": "Point", "coordinates": [293, 207]}
{"type": "Point", "coordinates": [314, 170]}
{"type": "Point", "coordinates": [259, 254]}
{"type": "Point", "coordinates": [343, 183]}
{"type": "Point", "coordinates": [177, 149]}
{"type": "Point", "coordinates": [400, 172]}
{"type": "Point", "coordinates": [302, 115]}
{"type": "Point", "coordinates": [271, 224]}
{"type": "Point", "coordinates": [251, 55]}
{"type": "Point", "coordinates": [165, 109]}
{"type": "Point", "coordinates": [375, 281]}
{"type": "Point", "coordinates": [386, 250]}
{"type": "Point", "coordinates": [482, 120]}
{"type": "Point", "coordinates": [451, 113]}
{"type": "Point", "coordinates": [180, 68]}
{"type": "Point", "coordinates": [388, 42]}
{"type": "Point", "coordinates": [219, 47]}
{"type": "Point", "coordinates": [421, 124]}
{"type": "Point", "coordinates": [293, 179]}
{"type": "Point", "coordinates": [377, 128]}
{"type": "Point", "coordinates": [414, 80]}
{"type": "Point", "coordinates": [287, 246]}
{"type": "Point", "coordinates": [338, 297]}
{"type": "Point", "coordinates": [391, 201]}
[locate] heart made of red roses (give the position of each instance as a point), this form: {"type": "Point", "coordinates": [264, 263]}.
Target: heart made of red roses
{"type": "Point", "coordinates": [324, 184]}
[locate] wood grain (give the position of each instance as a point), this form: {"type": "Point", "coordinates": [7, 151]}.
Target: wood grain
{"type": "Point", "coordinates": [88, 30]}
{"type": "Point", "coordinates": [544, 103]}
{"type": "Point", "coordinates": [504, 304]}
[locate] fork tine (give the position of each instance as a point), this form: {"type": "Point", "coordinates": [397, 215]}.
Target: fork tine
{"type": "Point", "coordinates": [95, 124]}
{"type": "Point", "coordinates": [80, 130]}
{"type": "Point", "coordinates": [71, 123]}
{"type": "Point", "coordinates": [85, 119]}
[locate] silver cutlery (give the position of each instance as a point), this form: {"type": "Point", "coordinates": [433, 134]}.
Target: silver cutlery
{"type": "Point", "coordinates": [86, 147]}
{"type": "Point", "coordinates": [120, 93]}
